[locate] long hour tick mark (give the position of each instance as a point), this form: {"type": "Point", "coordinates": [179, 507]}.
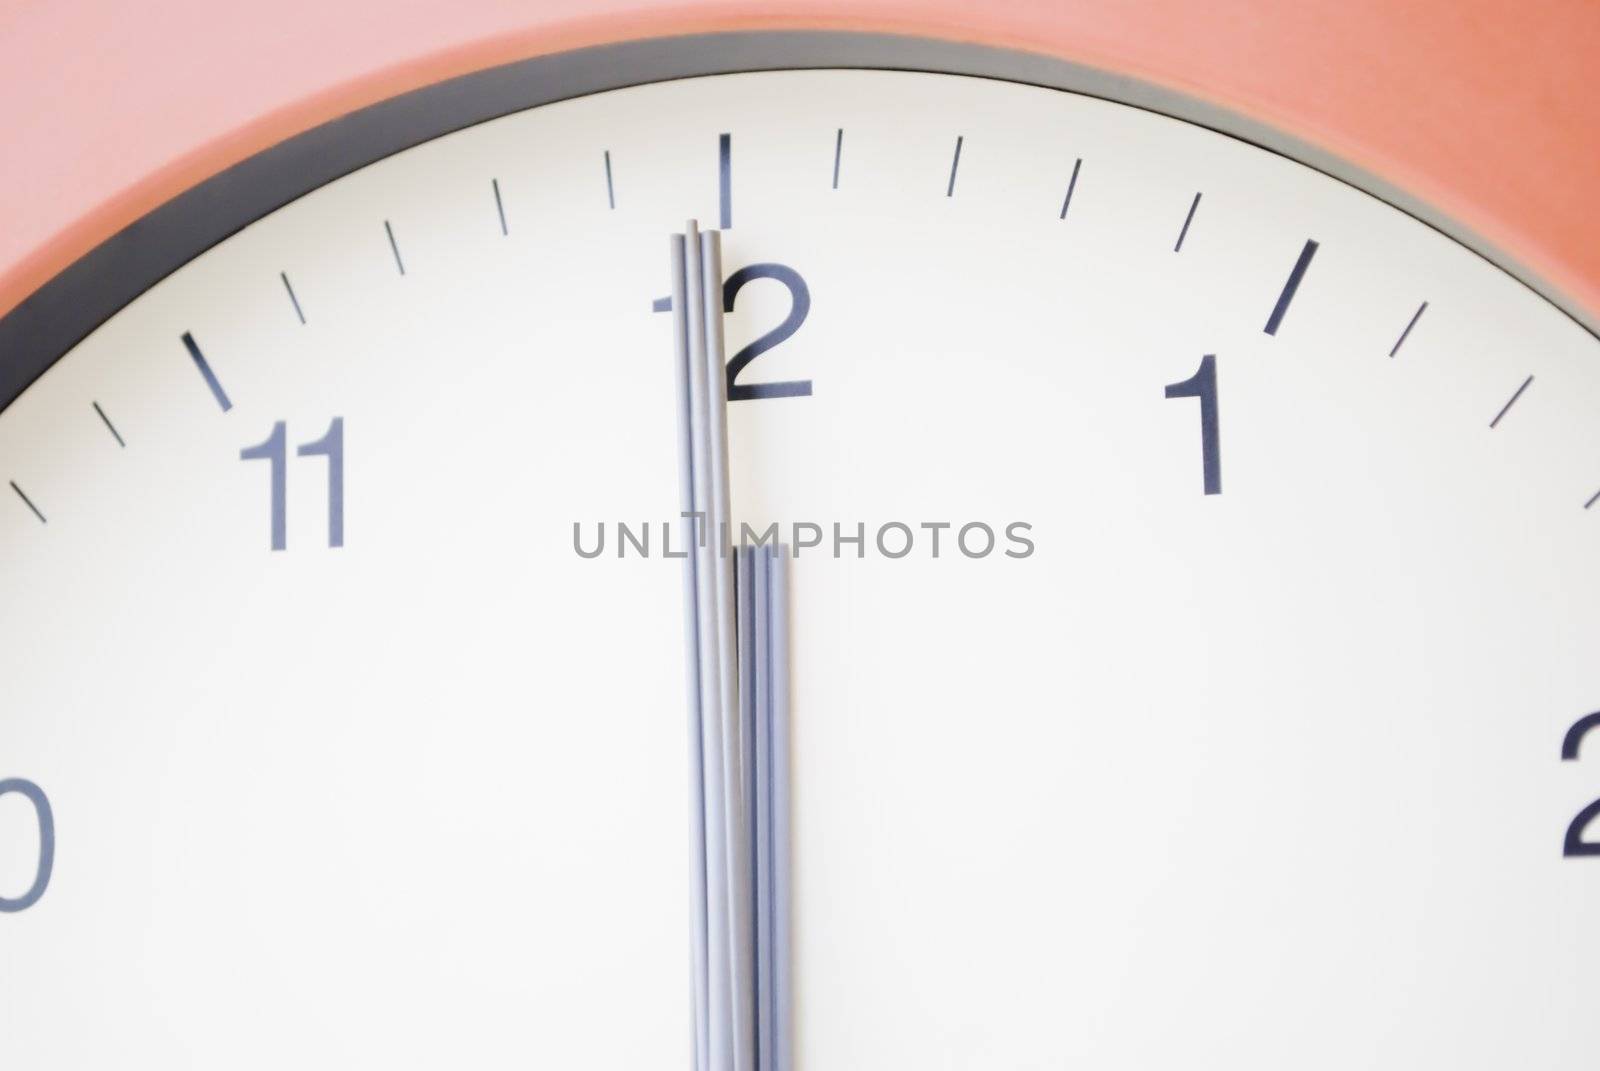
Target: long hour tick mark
{"type": "Point", "coordinates": [838, 150]}
{"type": "Point", "coordinates": [29, 502]}
{"type": "Point", "coordinates": [499, 206]}
{"type": "Point", "coordinates": [292, 299]}
{"type": "Point", "coordinates": [955, 162]}
{"type": "Point", "coordinates": [394, 245]}
{"type": "Point", "coordinates": [1504, 409]}
{"type": "Point", "coordinates": [1184, 233]}
{"type": "Point", "coordinates": [1414, 318]}
{"type": "Point", "coordinates": [725, 178]}
{"type": "Point", "coordinates": [112, 428]}
{"type": "Point", "coordinates": [1072, 184]}
{"type": "Point", "coordinates": [611, 191]}
{"type": "Point", "coordinates": [204, 366]}
{"type": "Point", "coordinates": [1297, 273]}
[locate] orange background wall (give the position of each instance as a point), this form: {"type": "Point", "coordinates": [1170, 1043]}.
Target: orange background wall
{"type": "Point", "coordinates": [1488, 109]}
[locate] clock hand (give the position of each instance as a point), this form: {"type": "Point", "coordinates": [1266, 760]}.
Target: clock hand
{"type": "Point", "coordinates": [719, 525]}
{"type": "Point", "coordinates": [723, 995]}
{"type": "Point", "coordinates": [779, 838]}
{"type": "Point", "coordinates": [764, 574]}
{"type": "Point", "coordinates": [752, 781]}
{"type": "Point", "coordinates": [735, 614]}
{"type": "Point", "coordinates": [698, 859]}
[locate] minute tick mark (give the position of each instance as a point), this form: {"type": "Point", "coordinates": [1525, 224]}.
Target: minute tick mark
{"type": "Point", "coordinates": [725, 179]}
{"type": "Point", "coordinates": [1592, 500]}
{"type": "Point", "coordinates": [29, 502]}
{"type": "Point", "coordinates": [955, 162]}
{"type": "Point", "coordinates": [1184, 233]}
{"type": "Point", "coordinates": [292, 299]}
{"type": "Point", "coordinates": [1504, 409]}
{"type": "Point", "coordinates": [206, 373]}
{"type": "Point", "coordinates": [112, 428]}
{"type": "Point", "coordinates": [1072, 184]}
{"type": "Point", "coordinates": [499, 206]}
{"type": "Point", "coordinates": [1297, 273]}
{"type": "Point", "coordinates": [611, 191]}
{"type": "Point", "coordinates": [1414, 318]}
{"type": "Point", "coordinates": [394, 245]}
{"type": "Point", "coordinates": [838, 150]}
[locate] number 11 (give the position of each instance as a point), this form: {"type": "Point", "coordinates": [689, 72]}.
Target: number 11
{"type": "Point", "coordinates": [275, 450]}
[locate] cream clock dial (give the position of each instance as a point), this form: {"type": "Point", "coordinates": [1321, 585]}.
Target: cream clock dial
{"type": "Point", "coordinates": [1193, 615]}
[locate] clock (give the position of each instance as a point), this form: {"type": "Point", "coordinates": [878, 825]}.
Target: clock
{"type": "Point", "coordinates": [1128, 578]}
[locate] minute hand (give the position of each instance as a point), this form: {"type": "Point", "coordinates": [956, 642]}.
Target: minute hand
{"type": "Point", "coordinates": [719, 520]}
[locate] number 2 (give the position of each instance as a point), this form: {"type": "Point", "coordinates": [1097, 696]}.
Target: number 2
{"type": "Point", "coordinates": [799, 309]}
{"type": "Point", "coordinates": [1575, 844]}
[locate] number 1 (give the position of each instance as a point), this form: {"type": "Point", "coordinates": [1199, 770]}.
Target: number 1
{"type": "Point", "coordinates": [1203, 385]}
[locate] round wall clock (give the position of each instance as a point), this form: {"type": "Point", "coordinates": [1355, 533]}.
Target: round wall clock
{"type": "Point", "coordinates": [841, 537]}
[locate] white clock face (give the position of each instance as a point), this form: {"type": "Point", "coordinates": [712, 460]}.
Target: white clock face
{"type": "Point", "coordinates": [1268, 776]}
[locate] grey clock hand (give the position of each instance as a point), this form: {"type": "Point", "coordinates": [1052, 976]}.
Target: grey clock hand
{"type": "Point", "coordinates": [719, 1007]}
{"type": "Point", "coordinates": [698, 847]}
{"type": "Point", "coordinates": [779, 728]}
{"type": "Point", "coordinates": [724, 995]}
{"type": "Point", "coordinates": [764, 575]}
{"type": "Point", "coordinates": [736, 640]}
{"type": "Point", "coordinates": [719, 525]}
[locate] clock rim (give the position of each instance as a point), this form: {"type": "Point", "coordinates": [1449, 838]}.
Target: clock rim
{"type": "Point", "coordinates": [49, 322]}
